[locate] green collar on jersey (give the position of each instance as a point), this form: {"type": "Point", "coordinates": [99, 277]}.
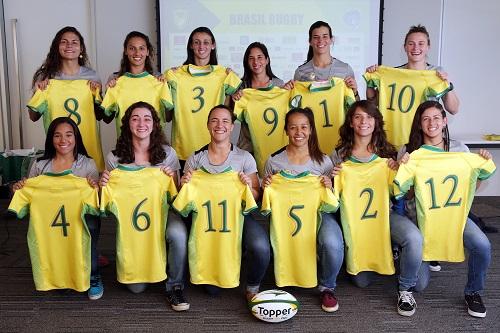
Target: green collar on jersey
{"type": "Point", "coordinates": [269, 87]}
{"type": "Point", "coordinates": [129, 167]}
{"type": "Point", "coordinates": [143, 74]}
{"type": "Point", "coordinates": [432, 148]}
{"type": "Point", "coordinates": [321, 85]}
{"type": "Point", "coordinates": [286, 174]}
{"type": "Point", "coordinates": [59, 174]}
{"type": "Point", "coordinates": [200, 70]}
{"type": "Point", "coordinates": [356, 160]}
{"type": "Point", "coordinates": [223, 171]}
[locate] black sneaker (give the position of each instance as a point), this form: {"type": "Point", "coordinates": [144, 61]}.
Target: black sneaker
{"type": "Point", "coordinates": [475, 305]}
{"type": "Point", "coordinates": [177, 300]}
{"type": "Point", "coordinates": [406, 303]}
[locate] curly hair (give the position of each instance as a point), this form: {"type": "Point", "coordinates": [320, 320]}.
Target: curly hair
{"type": "Point", "coordinates": [125, 63]}
{"type": "Point", "coordinates": [378, 143]}
{"type": "Point", "coordinates": [417, 136]}
{"type": "Point", "coordinates": [124, 146]}
{"type": "Point", "coordinates": [190, 53]}
{"type": "Point", "coordinates": [52, 62]}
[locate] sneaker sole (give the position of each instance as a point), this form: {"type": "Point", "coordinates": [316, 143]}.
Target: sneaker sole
{"type": "Point", "coordinates": [96, 297]}
{"type": "Point", "coordinates": [326, 309]}
{"type": "Point", "coordinates": [180, 307]}
{"type": "Point", "coordinates": [476, 314]}
{"type": "Point", "coordinates": [406, 313]}
{"type": "Point", "coordinates": [435, 268]}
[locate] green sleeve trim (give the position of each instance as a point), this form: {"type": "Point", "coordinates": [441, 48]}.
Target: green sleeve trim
{"type": "Point", "coordinates": [88, 209]}
{"type": "Point", "coordinates": [165, 105]}
{"type": "Point", "coordinates": [230, 90]}
{"type": "Point", "coordinates": [249, 210]}
{"type": "Point", "coordinates": [348, 101]}
{"type": "Point", "coordinates": [42, 108]}
{"type": "Point", "coordinates": [185, 212]}
{"type": "Point", "coordinates": [22, 213]}
{"type": "Point", "coordinates": [109, 210]}
{"type": "Point", "coordinates": [372, 83]}
{"type": "Point", "coordinates": [265, 212]}
{"type": "Point", "coordinates": [113, 108]}
{"type": "Point", "coordinates": [405, 187]}
{"type": "Point", "coordinates": [327, 208]}
{"type": "Point", "coordinates": [429, 93]}
{"type": "Point", "coordinates": [483, 174]}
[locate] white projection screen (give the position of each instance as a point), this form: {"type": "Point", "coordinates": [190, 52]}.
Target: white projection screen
{"type": "Point", "coordinates": [282, 25]}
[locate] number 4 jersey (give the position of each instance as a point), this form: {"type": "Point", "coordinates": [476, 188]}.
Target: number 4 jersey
{"type": "Point", "coordinates": [139, 199]}
{"type": "Point", "coordinates": [444, 184]}
{"type": "Point", "coordinates": [218, 203]}
{"type": "Point", "coordinates": [58, 238]}
{"type": "Point", "coordinates": [295, 204]}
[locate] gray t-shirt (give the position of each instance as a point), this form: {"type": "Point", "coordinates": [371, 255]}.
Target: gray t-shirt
{"type": "Point", "coordinates": [238, 159]}
{"type": "Point", "coordinates": [279, 161]}
{"type": "Point", "coordinates": [170, 160]}
{"type": "Point", "coordinates": [82, 167]}
{"type": "Point", "coordinates": [308, 72]}
{"type": "Point", "coordinates": [84, 74]}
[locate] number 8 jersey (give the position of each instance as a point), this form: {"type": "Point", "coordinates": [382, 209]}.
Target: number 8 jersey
{"type": "Point", "coordinates": [445, 184]}
{"type": "Point", "coordinates": [139, 199]}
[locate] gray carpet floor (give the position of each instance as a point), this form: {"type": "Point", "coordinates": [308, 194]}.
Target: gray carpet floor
{"type": "Point", "coordinates": [441, 306]}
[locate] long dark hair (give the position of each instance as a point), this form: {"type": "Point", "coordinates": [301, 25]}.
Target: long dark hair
{"type": "Point", "coordinates": [312, 144]}
{"type": "Point", "coordinates": [316, 25]}
{"type": "Point", "coordinates": [416, 135]}
{"type": "Point", "coordinates": [124, 146]}
{"type": "Point", "coordinates": [378, 143]}
{"type": "Point", "coordinates": [52, 62]}
{"type": "Point", "coordinates": [248, 74]}
{"type": "Point", "coordinates": [125, 63]}
{"type": "Point", "coordinates": [190, 52]}
{"type": "Point", "coordinates": [50, 150]}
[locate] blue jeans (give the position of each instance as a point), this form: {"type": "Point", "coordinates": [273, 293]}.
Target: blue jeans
{"type": "Point", "coordinates": [258, 252]}
{"type": "Point", "coordinates": [330, 250]}
{"type": "Point", "coordinates": [479, 248]}
{"type": "Point", "coordinates": [406, 235]}
{"type": "Point", "coordinates": [176, 239]}
{"type": "Point", "coordinates": [94, 226]}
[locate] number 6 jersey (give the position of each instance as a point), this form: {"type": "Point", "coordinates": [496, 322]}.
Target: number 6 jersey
{"type": "Point", "coordinates": [445, 184]}
{"type": "Point", "coordinates": [139, 199]}
{"type": "Point", "coordinates": [58, 238]}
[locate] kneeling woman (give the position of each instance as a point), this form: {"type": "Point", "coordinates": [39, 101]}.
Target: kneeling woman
{"type": "Point", "coordinates": [142, 143]}
{"type": "Point", "coordinates": [302, 155]}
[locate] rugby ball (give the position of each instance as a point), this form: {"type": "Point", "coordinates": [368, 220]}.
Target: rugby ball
{"type": "Point", "coordinates": [273, 306]}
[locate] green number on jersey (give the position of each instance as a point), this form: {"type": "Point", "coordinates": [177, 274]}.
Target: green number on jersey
{"type": "Point", "coordinates": [325, 112]}
{"type": "Point", "coordinates": [400, 98]}
{"type": "Point", "coordinates": [64, 224]}
{"type": "Point", "coordinates": [199, 98]}
{"type": "Point", "coordinates": [295, 218]}
{"type": "Point", "coordinates": [136, 215]}
{"type": "Point", "coordinates": [73, 111]}
{"type": "Point", "coordinates": [271, 121]}
{"type": "Point", "coordinates": [448, 203]}
{"type": "Point", "coordinates": [366, 215]}
{"type": "Point", "coordinates": [208, 206]}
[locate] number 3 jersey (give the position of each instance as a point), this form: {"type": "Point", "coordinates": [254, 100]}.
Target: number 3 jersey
{"type": "Point", "coordinates": [139, 199]}
{"type": "Point", "coordinates": [444, 184]}
{"type": "Point", "coordinates": [74, 99]}
{"type": "Point", "coordinates": [400, 92]}
{"type": "Point", "coordinates": [364, 190]}
{"type": "Point", "coordinates": [218, 203]}
{"type": "Point", "coordinates": [295, 204]}
{"type": "Point", "coordinates": [58, 238]}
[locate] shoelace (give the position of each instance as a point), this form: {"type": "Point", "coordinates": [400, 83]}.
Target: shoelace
{"type": "Point", "coordinates": [178, 296]}
{"type": "Point", "coordinates": [407, 297]}
{"type": "Point", "coordinates": [476, 298]}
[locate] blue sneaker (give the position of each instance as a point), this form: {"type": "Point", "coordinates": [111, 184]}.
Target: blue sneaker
{"type": "Point", "coordinates": [96, 289]}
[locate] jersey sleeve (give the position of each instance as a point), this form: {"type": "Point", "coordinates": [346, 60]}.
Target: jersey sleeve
{"type": "Point", "coordinates": [106, 202]}
{"type": "Point", "coordinates": [329, 201]}
{"type": "Point", "coordinates": [372, 80]}
{"type": "Point", "coordinates": [436, 88]}
{"type": "Point", "coordinates": [338, 185]}
{"type": "Point", "coordinates": [38, 103]}
{"type": "Point", "coordinates": [183, 203]}
{"type": "Point", "coordinates": [20, 202]}
{"type": "Point", "coordinates": [247, 201]}
{"type": "Point", "coordinates": [231, 83]}
{"type": "Point", "coordinates": [265, 208]}
{"type": "Point", "coordinates": [170, 189]}
{"type": "Point", "coordinates": [240, 107]}
{"type": "Point", "coordinates": [405, 178]}
{"type": "Point", "coordinates": [90, 200]}
{"type": "Point", "coordinates": [166, 102]}
{"type": "Point", "coordinates": [110, 102]}
{"type": "Point", "coordinates": [483, 168]}
{"type": "Point", "coordinates": [96, 94]}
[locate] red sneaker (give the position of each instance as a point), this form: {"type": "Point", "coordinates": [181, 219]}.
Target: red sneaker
{"type": "Point", "coordinates": [328, 301]}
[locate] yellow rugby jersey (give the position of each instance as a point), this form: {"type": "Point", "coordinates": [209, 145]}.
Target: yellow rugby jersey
{"type": "Point", "coordinates": [74, 99]}
{"type": "Point", "coordinates": [139, 198]}
{"type": "Point", "coordinates": [295, 204]}
{"type": "Point", "coordinates": [264, 111]}
{"type": "Point", "coordinates": [58, 237]}
{"type": "Point", "coordinates": [329, 101]}
{"type": "Point", "coordinates": [364, 190]}
{"type": "Point", "coordinates": [445, 184]}
{"type": "Point", "coordinates": [131, 88]}
{"type": "Point", "coordinates": [400, 92]}
{"type": "Point", "coordinates": [195, 90]}
{"type": "Point", "coordinates": [218, 203]}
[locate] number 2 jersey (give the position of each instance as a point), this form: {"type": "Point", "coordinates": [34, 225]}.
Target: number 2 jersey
{"type": "Point", "coordinates": [218, 203]}
{"type": "Point", "coordinates": [364, 189]}
{"type": "Point", "coordinates": [400, 92]}
{"type": "Point", "coordinates": [58, 238]}
{"type": "Point", "coordinates": [444, 184]}
{"type": "Point", "coordinates": [196, 90]}
{"type": "Point", "coordinates": [139, 199]}
{"type": "Point", "coordinates": [74, 99]}
{"type": "Point", "coordinates": [329, 101]}
{"type": "Point", "coordinates": [264, 111]}
{"type": "Point", "coordinates": [295, 204]}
